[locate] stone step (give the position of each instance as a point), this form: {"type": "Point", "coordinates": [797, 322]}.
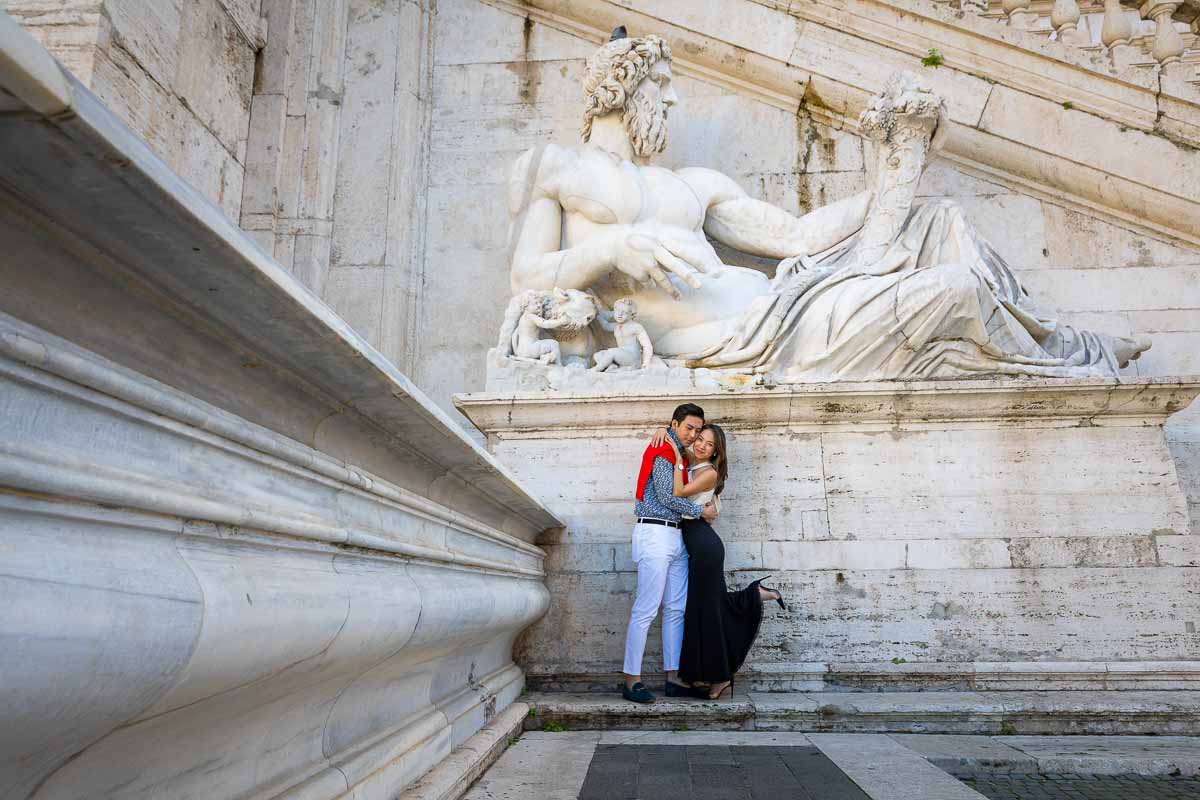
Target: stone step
{"type": "Point", "coordinates": [906, 676]}
{"type": "Point", "coordinates": [1008, 713]}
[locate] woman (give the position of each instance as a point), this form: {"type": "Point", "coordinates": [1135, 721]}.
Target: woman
{"type": "Point", "coordinates": [719, 626]}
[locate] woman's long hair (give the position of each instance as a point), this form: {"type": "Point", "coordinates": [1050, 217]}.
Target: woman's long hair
{"type": "Point", "coordinates": [719, 461]}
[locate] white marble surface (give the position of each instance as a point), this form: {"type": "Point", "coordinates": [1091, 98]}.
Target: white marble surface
{"type": "Point", "coordinates": [553, 767]}
{"type": "Point", "coordinates": [883, 768]}
{"type": "Point", "coordinates": [245, 555]}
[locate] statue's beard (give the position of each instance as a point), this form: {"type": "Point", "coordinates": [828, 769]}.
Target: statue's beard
{"type": "Point", "coordinates": [645, 120]}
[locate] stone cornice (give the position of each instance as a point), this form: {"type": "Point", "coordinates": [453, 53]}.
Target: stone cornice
{"type": "Point", "coordinates": [94, 205]}
{"type": "Point", "coordinates": [231, 446]}
{"type": "Point", "coordinates": [783, 52]}
{"type": "Point", "coordinates": [841, 405]}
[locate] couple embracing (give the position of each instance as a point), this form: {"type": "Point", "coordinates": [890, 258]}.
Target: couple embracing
{"type": "Point", "coordinates": [706, 629]}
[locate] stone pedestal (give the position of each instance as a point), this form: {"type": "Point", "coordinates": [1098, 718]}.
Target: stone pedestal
{"type": "Point", "coordinates": [984, 534]}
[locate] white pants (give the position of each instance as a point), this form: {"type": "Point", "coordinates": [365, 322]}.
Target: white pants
{"type": "Point", "coordinates": [662, 569]}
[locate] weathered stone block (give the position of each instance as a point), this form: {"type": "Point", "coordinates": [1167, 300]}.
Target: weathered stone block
{"type": "Point", "coordinates": [263, 156]}
{"type": "Point", "coordinates": [356, 294]}
{"type": "Point", "coordinates": [1024, 118]}
{"type": "Point", "coordinates": [1179, 551]}
{"type": "Point", "coordinates": [1077, 240]}
{"type": "Point", "coordinates": [215, 71]}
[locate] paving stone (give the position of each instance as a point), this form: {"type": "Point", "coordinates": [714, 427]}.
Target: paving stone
{"type": "Point", "coordinates": [1083, 787]}
{"type": "Point", "coordinates": [972, 753]}
{"type": "Point", "coordinates": [1109, 755]}
{"type": "Point", "coordinates": [883, 767]}
{"type": "Point", "coordinates": [716, 772]}
{"type": "Point", "coordinates": [730, 738]}
{"type": "Point", "coordinates": [546, 766]}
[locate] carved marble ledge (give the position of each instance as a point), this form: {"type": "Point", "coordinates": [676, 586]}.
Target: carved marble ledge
{"type": "Point", "coordinates": [508, 374]}
{"type": "Point", "coordinates": [241, 554]}
{"type": "Point", "coordinates": [886, 403]}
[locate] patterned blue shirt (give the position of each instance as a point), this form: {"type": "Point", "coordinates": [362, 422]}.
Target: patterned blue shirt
{"type": "Point", "coordinates": [659, 500]}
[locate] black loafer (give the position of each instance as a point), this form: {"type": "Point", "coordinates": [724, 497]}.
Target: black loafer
{"type": "Point", "coordinates": [638, 694]}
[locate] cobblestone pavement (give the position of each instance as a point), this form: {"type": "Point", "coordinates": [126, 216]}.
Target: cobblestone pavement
{"type": "Point", "coordinates": [628, 772]}
{"type": "Point", "coordinates": [745, 765]}
{"type": "Point", "coordinates": [1082, 787]}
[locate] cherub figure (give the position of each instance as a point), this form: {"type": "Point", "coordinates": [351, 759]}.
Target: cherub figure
{"type": "Point", "coordinates": [524, 319]}
{"type": "Point", "coordinates": [633, 343]}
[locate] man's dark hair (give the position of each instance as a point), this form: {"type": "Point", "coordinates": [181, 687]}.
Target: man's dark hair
{"type": "Point", "coordinates": [687, 410]}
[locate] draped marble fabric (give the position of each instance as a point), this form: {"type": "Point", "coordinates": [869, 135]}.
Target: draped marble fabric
{"type": "Point", "coordinates": [940, 303]}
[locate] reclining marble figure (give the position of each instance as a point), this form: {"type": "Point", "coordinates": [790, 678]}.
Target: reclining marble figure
{"type": "Point", "coordinates": [867, 288]}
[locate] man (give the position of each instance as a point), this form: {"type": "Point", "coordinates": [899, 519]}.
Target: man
{"type": "Point", "coordinates": [662, 561]}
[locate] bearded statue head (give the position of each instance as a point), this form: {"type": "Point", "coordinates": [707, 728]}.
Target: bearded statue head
{"type": "Point", "coordinates": [631, 75]}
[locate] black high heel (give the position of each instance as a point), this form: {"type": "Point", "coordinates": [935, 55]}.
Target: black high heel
{"type": "Point", "coordinates": [778, 594]}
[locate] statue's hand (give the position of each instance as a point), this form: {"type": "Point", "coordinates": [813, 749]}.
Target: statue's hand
{"type": "Point", "coordinates": [645, 254]}
{"type": "Point", "coordinates": [792, 266]}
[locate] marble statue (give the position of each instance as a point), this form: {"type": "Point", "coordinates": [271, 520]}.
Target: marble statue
{"type": "Point", "coordinates": [564, 313]}
{"type": "Point", "coordinates": [634, 348]}
{"type": "Point", "coordinates": [867, 288]}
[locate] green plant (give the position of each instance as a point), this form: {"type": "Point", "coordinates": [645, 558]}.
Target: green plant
{"type": "Point", "coordinates": [899, 660]}
{"type": "Point", "coordinates": [532, 712]}
{"type": "Point", "coordinates": [553, 727]}
{"type": "Point", "coordinates": [682, 729]}
{"type": "Point", "coordinates": [513, 740]}
{"type": "Point", "coordinates": [934, 59]}
{"type": "Point", "coordinates": [1068, 105]}
{"type": "Point", "coordinates": [1006, 729]}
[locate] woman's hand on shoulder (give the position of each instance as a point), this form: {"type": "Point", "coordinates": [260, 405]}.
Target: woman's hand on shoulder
{"type": "Point", "coordinates": [675, 450]}
{"type": "Point", "coordinates": [659, 437]}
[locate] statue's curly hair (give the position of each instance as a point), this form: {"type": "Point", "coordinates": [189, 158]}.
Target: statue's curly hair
{"type": "Point", "coordinates": [614, 72]}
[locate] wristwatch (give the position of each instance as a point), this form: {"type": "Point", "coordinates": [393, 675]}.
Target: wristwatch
{"type": "Point", "coordinates": [681, 467]}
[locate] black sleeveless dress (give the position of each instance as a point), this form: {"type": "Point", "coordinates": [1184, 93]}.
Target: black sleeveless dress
{"type": "Point", "coordinates": [719, 626]}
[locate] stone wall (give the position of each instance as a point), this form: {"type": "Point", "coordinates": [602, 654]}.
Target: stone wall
{"type": "Point", "coordinates": [984, 534]}
{"type": "Point", "coordinates": [177, 72]}
{"type": "Point", "coordinates": [504, 82]}
{"type": "Point", "coordinates": [304, 120]}
{"type": "Point", "coordinates": [336, 165]}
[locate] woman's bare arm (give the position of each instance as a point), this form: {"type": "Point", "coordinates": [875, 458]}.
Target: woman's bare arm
{"type": "Point", "coordinates": [701, 483]}
{"type": "Point", "coordinates": [660, 436]}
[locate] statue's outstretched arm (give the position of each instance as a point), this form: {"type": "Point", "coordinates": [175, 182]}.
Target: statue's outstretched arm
{"type": "Point", "coordinates": [604, 318]}
{"type": "Point", "coordinates": [757, 227]}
